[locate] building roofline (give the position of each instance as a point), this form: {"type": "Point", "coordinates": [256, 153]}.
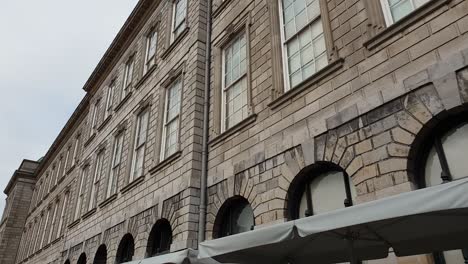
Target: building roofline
{"type": "Point", "coordinates": [21, 172]}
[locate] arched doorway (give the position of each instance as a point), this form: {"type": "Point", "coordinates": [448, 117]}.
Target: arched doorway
{"type": "Point", "coordinates": [126, 249]}
{"type": "Point", "coordinates": [160, 238]}
{"type": "Point", "coordinates": [101, 255]}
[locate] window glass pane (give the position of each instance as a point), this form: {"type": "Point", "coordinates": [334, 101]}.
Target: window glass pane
{"type": "Point", "coordinates": [171, 137]}
{"type": "Point", "coordinates": [418, 3]}
{"type": "Point", "coordinates": [400, 9]}
{"type": "Point", "coordinates": [242, 219]}
{"type": "Point", "coordinates": [236, 103]}
{"type": "Point", "coordinates": [455, 144]}
{"type": "Point", "coordinates": [327, 193]}
{"type": "Point", "coordinates": [454, 257]}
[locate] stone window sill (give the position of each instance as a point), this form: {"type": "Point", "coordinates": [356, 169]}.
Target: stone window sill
{"type": "Point", "coordinates": [404, 23]}
{"type": "Point", "coordinates": [90, 139]}
{"type": "Point", "coordinates": [145, 76]}
{"type": "Point", "coordinates": [233, 130]}
{"type": "Point", "coordinates": [123, 101]}
{"type": "Point", "coordinates": [71, 168]}
{"type": "Point", "coordinates": [220, 8]}
{"type": "Point", "coordinates": [108, 200]}
{"type": "Point", "coordinates": [165, 162]}
{"type": "Point", "coordinates": [56, 240]}
{"type": "Point", "coordinates": [329, 69]}
{"type": "Point", "coordinates": [89, 213]}
{"type": "Point", "coordinates": [105, 122]}
{"type": "Point", "coordinates": [175, 43]}
{"type": "Point", "coordinates": [74, 223]}
{"type": "Point", "coordinates": [133, 184]}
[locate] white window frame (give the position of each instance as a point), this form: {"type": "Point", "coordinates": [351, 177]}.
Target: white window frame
{"type": "Point", "coordinates": [59, 167]}
{"type": "Point", "coordinates": [128, 78]}
{"type": "Point", "coordinates": [139, 146]}
{"type": "Point", "coordinates": [176, 118]}
{"type": "Point", "coordinates": [75, 150]}
{"type": "Point", "coordinates": [109, 99]}
{"type": "Point", "coordinates": [224, 89]}
{"type": "Point", "coordinates": [284, 41]}
{"type": "Point", "coordinates": [150, 60]}
{"type": "Point", "coordinates": [388, 12]}
{"type": "Point", "coordinates": [115, 165]}
{"type": "Point", "coordinates": [94, 118]}
{"type": "Point", "coordinates": [96, 179]}
{"type": "Point", "coordinates": [173, 20]}
{"type": "Point", "coordinates": [44, 231]}
{"type": "Point", "coordinates": [65, 165]}
{"type": "Point", "coordinates": [37, 233]}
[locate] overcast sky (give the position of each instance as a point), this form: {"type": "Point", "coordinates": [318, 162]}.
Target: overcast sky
{"type": "Point", "coordinates": [48, 49]}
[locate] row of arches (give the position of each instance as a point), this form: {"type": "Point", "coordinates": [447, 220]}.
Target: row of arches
{"type": "Point", "coordinates": [159, 242]}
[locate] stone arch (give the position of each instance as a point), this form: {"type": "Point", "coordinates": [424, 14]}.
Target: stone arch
{"type": "Point", "coordinates": [227, 205]}
{"type": "Point", "coordinates": [101, 255]}
{"type": "Point", "coordinates": [298, 184]}
{"type": "Point", "coordinates": [160, 238]}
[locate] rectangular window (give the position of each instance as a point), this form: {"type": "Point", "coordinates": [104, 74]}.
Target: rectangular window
{"type": "Point", "coordinates": [62, 215]}
{"type": "Point", "coordinates": [59, 168]}
{"type": "Point", "coordinates": [75, 150]}
{"type": "Point", "coordinates": [139, 145]}
{"type": "Point", "coordinates": [128, 77]}
{"type": "Point", "coordinates": [151, 42]}
{"type": "Point", "coordinates": [39, 193]}
{"type": "Point", "coordinates": [38, 231]}
{"type": "Point", "coordinates": [235, 107]}
{"type": "Point", "coordinates": [395, 10]}
{"type": "Point", "coordinates": [80, 194]}
{"type": "Point", "coordinates": [53, 223]}
{"type": "Point", "coordinates": [65, 164]}
{"type": "Point", "coordinates": [95, 184]}
{"type": "Point", "coordinates": [170, 135]}
{"type": "Point", "coordinates": [94, 118]}
{"type": "Point", "coordinates": [179, 14]}
{"type": "Point", "coordinates": [44, 231]}
{"type": "Point", "coordinates": [115, 165]}
{"type": "Point", "coordinates": [109, 99]}
{"type": "Point", "coordinates": [304, 46]}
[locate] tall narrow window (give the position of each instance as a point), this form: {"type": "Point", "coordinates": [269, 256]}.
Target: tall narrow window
{"type": "Point", "coordinates": [44, 230]}
{"type": "Point", "coordinates": [53, 223]}
{"type": "Point", "coordinates": [59, 168]}
{"type": "Point", "coordinates": [39, 229]}
{"type": "Point", "coordinates": [39, 191]}
{"type": "Point", "coordinates": [128, 77]}
{"type": "Point", "coordinates": [171, 119]}
{"type": "Point", "coordinates": [62, 220]}
{"type": "Point", "coordinates": [109, 99]}
{"type": "Point", "coordinates": [95, 184]}
{"type": "Point", "coordinates": [395, 10]}
{"type": "Point", "coordinates": [94, 117]}
{"type": "Point", "coordinates": [65, 164]}
{"type": "Point", "coordinates": [115, 165]}
{"type": "Point", "coordinates": [235, 216]}
{"type": "Point", "coordinates": [304, 45]}
{"type": "Point", "coordinates": [80, 194]}
{"type": "Point", "coordinates": [76, 149]}
{"type": "Point", "coordinates": [50, 179]}
{"type": "Point", "coordinates": [151, 42]}
{"type": "Point", "coordinates": [139, 145]}
{"type": "Point", "coordinates": [179, 15]}
{"type": "Point", "coordinates": [235, 107]}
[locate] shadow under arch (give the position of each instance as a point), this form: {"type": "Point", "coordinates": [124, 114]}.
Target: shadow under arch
{"type": "Point", "coordinates": [160, 238]}
{"type": "Point", "coordinates": [101, 255]}
{"type": "Point", "coordinates": [298, 186]}
{"type": "Point", "coordinates": [126, 249]}
{"type": "Point", "coordinates": [82, 259]}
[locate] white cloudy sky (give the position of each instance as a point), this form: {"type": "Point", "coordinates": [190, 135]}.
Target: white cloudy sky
{"type": "Point", "coordinates": [48, 49]}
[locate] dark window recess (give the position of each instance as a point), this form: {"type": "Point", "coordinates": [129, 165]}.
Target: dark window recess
{"type": "Point", "coordinates": [126, 249]}
{"type": "Point", "coordinates": [236, 216]}
{"type": "Point", "coordinates": [160, 239]}
{"type": "Point", "coordinates": [101, 255]}
{"type": "Point", "coordinates": [82, 259]}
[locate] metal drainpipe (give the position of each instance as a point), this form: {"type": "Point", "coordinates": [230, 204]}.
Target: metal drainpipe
{"type": "Point", "coordinates": [206, 115]}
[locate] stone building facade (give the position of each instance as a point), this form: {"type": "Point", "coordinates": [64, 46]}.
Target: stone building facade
{"type": "Point", "coordinates": [368, 90]}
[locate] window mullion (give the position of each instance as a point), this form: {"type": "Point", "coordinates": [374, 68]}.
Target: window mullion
{"type": "Point", "coordinates": [445, 175]}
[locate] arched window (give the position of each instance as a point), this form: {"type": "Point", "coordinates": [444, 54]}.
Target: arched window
{"type": "Point", "coordinates": [160, 238]}
{"type": "Point", "coordinates": [126, 249]}
{"type": "Point", "coordinates": [82, 259]}
{"type": "Point", "coordinates": [67, 261]}
{"type": "Point", "coordinates": [235, 216]}
{"type": "Point", "coordinates": [318, 189]}
{"type": "Point", "coordinates": [101, 255]}
{"type": "Point", "coordinates": [440, 155]}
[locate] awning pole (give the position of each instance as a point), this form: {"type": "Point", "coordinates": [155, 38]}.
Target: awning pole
{"type": "Point", "coordinates": [352, 255]}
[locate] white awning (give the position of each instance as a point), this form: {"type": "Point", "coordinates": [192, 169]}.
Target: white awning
{"type": "Point", "coordinates": [421, 221]}
{"type": "Point", "coordinates": [187, 256]}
